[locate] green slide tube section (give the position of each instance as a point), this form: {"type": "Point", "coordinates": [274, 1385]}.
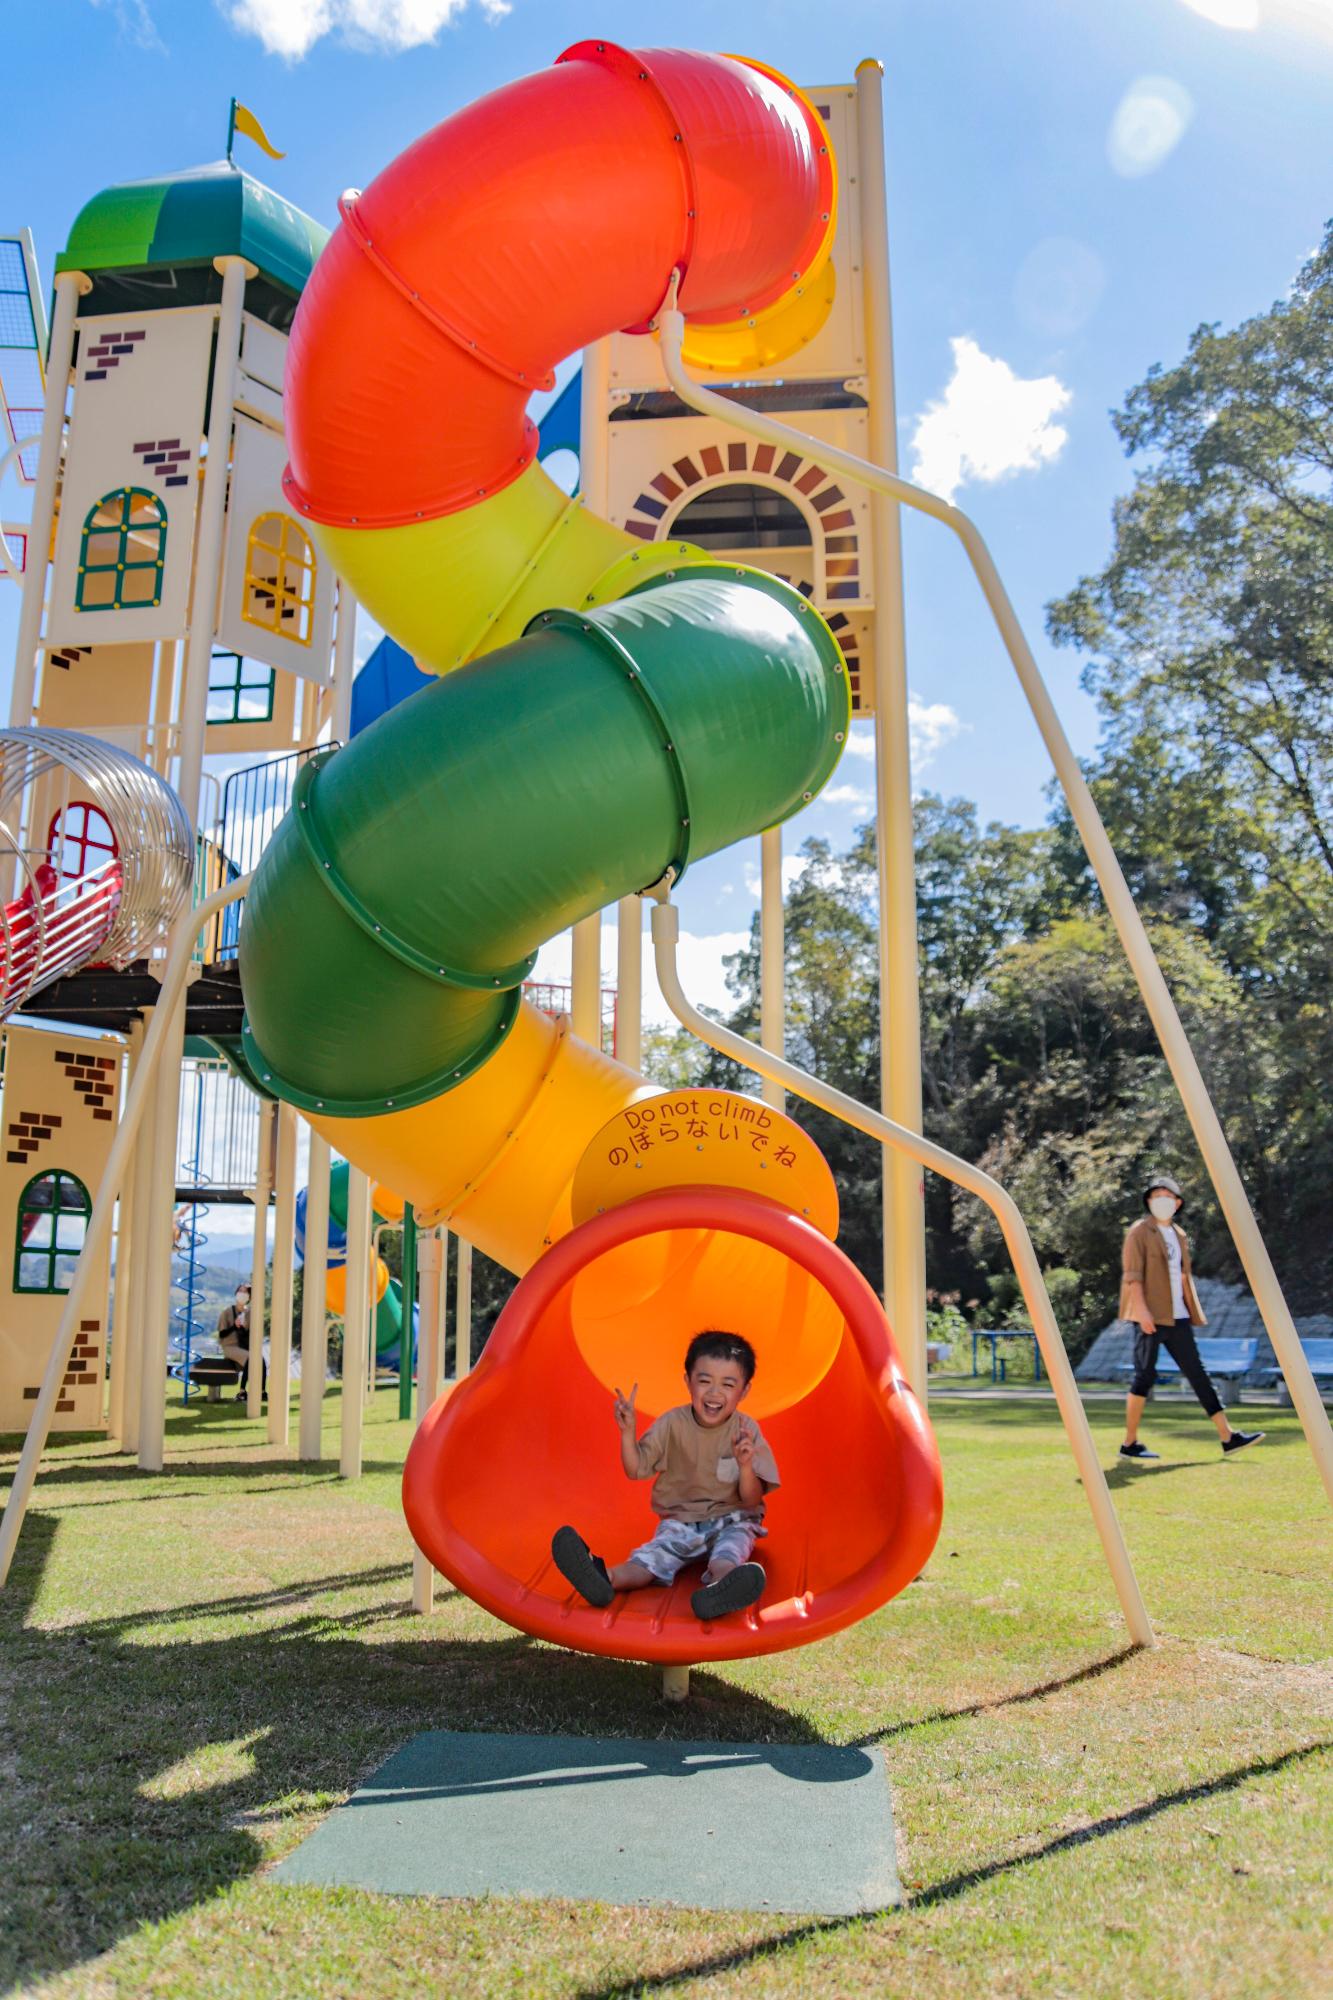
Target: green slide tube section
{"type": "Point", "coordinates": [401, 902]}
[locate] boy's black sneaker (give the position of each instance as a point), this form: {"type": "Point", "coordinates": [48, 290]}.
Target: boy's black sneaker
{"type": "Point", "coordinates": [1239, 1439]}
{"type": "Point", "coordinates": [740, 1587]}
{"type": "Point", "coordinates": [579, 1566]}
{"type": "Point", "coordinates": [1137, 1450]}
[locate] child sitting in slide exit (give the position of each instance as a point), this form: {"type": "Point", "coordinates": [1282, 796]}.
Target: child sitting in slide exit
{"type": "Point", "coordinates": [710, 1469]}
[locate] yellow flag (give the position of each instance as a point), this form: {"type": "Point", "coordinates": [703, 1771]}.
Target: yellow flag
{"type": "Point", "coordinates": [244, 120]}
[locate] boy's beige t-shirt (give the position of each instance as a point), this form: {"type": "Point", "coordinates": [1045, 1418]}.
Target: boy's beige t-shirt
{"type": "Point", "coordinates": [695, 1476]}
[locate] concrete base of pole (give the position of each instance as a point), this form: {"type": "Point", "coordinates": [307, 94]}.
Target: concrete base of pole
{"type": "Point", "coordinates": [675, 1683]}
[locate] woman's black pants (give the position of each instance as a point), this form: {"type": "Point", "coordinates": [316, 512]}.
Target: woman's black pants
{"type": "Point", "coordinates": [1181, 1345]}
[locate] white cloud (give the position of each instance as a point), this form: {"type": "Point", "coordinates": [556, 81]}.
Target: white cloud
{"type": "Point", "coordinates": [861, 742]}
{"type": "Point", "coordinates": [291, 28]}
{"type": "Point", "coordinates": [931, 724]}
{"type": "Point", "coordinates": [1227, 13]}
{"type": "Point", "coordinates": [988, 424]}
{"type": "Point", "coordinates": [793, 867]}
{"type": "Point", "coordinates": [845, 795]}
{"type": "Point", "coordinates": [1149, 123]}
{"type": "Point", "coordinates": [135, 23]}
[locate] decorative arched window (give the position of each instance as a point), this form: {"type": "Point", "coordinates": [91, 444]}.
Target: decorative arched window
{"type": "Point", "coordinates": [742, 516]}
{"type": "Point", "coordinates": [280, 571]}
{"type": "Point", "coordinates": [53, 1215]}
{"type": "Point", "coordinates": [123, 552]}
{"type": "Point", "coordinates": [80, 840]}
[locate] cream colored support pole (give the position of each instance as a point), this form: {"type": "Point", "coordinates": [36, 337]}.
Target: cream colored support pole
{"type": "Point", "coordinates": [1204, 1122]}
{"type": "Point", "coordinates": [772, 958]}
{"type": "Point", "coordinates": [141, 1199]}
{"type": "Point", "coordinates": [70, 287]}
{"type": "Point", "coordinates": [254, 1384]}
{"type": "Point", "coordinates": [629, 981]}
{"type": "Point", "coordinates": [284, 1260]}
{"type": "Point", "coordinates": [430, 1366]}
{"type": "Point", "coordinates": [356, 1323]}
{"type": "Point", "coordinates": [899, 979]}
{"type": "Point", "coordinates": [463, 1312]}
{"type": "Point", "coordinates": [212, 525]}
{"type": "Point", "coordinates": [675, 1683]}
{"type": "Point", "coordinates": [99, 1222]}
{"type": "Point", "coordinates": [121, 1341]}
{"type": "Point", "coordinates": [586, 980]}
{"type": "Point", "coordinates": [156, 1245]}
{"type": "Point", "coordinates": [314, 1311]}
{"type": "Point", "coordinates": [666, 930]}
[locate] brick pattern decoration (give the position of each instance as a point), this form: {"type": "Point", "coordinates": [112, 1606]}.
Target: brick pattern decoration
{"type": "Point", "coordinates": [25, 1134]}
{"type": "Point", "coordinates": [94, 1078]}
{"type": "Point", "coordinates": [167, 460]}
{"type": "Point", "coordinates": [837, 522]}
{"type": "Point", "coordinates": [85, 1365]}
{"type": "Point", "coordinates": [65, 656]}
{"type": "Point", "coordinates": [107, 352]}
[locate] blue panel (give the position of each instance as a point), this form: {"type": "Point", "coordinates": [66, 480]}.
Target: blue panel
{"type": "Point", "coordinates": [389, 676]}
{"type": "Point", "coordinates": [560, 425]}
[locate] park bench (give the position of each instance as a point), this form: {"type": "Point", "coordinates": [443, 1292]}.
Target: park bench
{"type": "Point", "coordinates": [214, 1372]}
{"type": "Point", "coordinates": [1318, 1352]}
{"type": "Point", "coordinates": [995, 1335]}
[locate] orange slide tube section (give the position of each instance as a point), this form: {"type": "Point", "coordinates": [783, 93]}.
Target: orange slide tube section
{"type": "Point", "coordinates": [430, 318]}
{"type": "Point", "coordinates": [859, 1506]}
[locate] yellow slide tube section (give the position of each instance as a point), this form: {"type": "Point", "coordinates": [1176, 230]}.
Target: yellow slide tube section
{"type": "Point", "coordinates": [495, 1157]}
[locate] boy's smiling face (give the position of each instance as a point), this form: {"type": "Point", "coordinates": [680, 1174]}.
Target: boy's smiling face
{"type": "Point", "coordinates": [716, 1387]}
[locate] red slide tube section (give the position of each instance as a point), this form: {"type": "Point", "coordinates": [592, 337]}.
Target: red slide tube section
{"type": "Point", "coordinates": [527, 1441]}
{"type": "Point", "coordinates": [538, 219]}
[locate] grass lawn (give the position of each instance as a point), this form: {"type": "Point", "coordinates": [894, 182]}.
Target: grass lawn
{"type": "Point", "coordinates": [194, 1668]}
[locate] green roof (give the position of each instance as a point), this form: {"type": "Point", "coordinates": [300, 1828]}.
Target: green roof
{"type": "Point", "coordinates": [191, 218]}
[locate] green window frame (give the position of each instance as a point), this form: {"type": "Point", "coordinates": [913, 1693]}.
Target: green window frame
{"type": "Point", "coordinates": [123, 552]}
{"type": "Point", "coordinates": [239, 690]}
{"type": "Point", "coordinates": [53, 1215]}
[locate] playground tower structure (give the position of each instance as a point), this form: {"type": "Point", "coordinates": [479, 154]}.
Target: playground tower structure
{"type": "Point", "coordinates": [175, 614]}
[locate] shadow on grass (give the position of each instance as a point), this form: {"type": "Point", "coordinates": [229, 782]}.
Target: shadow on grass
{"type": "Point", "coordinates": [954, 1886]}
{"type": "Point", "coordinates": [1015, 1700]}
{"type": "Point", "coordinates": [151, 1749]}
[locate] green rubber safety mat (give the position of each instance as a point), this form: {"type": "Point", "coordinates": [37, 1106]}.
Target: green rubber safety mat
{"type": "Point", "coordinates": [803, 1828]}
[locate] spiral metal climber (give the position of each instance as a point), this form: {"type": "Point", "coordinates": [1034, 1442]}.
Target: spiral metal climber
{"type": "Point", "coordinates": [56, 920]}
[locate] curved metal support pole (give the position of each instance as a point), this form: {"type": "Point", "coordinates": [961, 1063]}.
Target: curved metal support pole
{"type": "Point", "coordinates": [184, 933]}
{"type": "Point", "coordinates": [666, 931]}
{"type": "Point", "coordinates": [1204, 1121]}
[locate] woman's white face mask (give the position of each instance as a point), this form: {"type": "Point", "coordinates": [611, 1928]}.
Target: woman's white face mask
{"type": "Point", "coordinates": [1163, 1206]}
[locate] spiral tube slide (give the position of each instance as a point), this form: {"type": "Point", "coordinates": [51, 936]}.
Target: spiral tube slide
{"type": "Point", "coordinates": [386, 1290]}
{"type": "Point", "coordinates": [566, 757]}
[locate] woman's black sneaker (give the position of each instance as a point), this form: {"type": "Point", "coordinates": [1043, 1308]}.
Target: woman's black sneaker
{"type": "Point", "coordinates": [1137, 1450]}
{"type": "Point", "coordinates": [579, 1566]}
{"type": "Point", "coordinates": [1239, 1439]}
{"type": "Point", "coordinates": [733, 1592]}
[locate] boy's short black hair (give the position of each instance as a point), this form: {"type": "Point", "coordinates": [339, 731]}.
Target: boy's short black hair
{"type": "Point", "coordinates": [720, 1346]}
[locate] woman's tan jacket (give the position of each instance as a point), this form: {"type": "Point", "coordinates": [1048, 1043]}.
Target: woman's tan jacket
{"type": "Point", "coordinates": [1146, 1276]}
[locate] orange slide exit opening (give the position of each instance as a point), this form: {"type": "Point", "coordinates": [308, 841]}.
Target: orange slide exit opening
{"type": "Point", "coordinates": [528, 1441]}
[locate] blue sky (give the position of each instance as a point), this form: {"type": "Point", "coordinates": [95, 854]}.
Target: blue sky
{"type": "Point", "coordinates": [1073, 187]}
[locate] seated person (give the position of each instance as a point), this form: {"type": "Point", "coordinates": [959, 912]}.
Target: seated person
{"type": "Point", "coordinates": [710, 1469]}
{"type": "Point", "coordinates": [234, 1338]}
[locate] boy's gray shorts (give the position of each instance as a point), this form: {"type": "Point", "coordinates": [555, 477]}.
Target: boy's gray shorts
{"type": "Point", "coordinates": [729, 1539]}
